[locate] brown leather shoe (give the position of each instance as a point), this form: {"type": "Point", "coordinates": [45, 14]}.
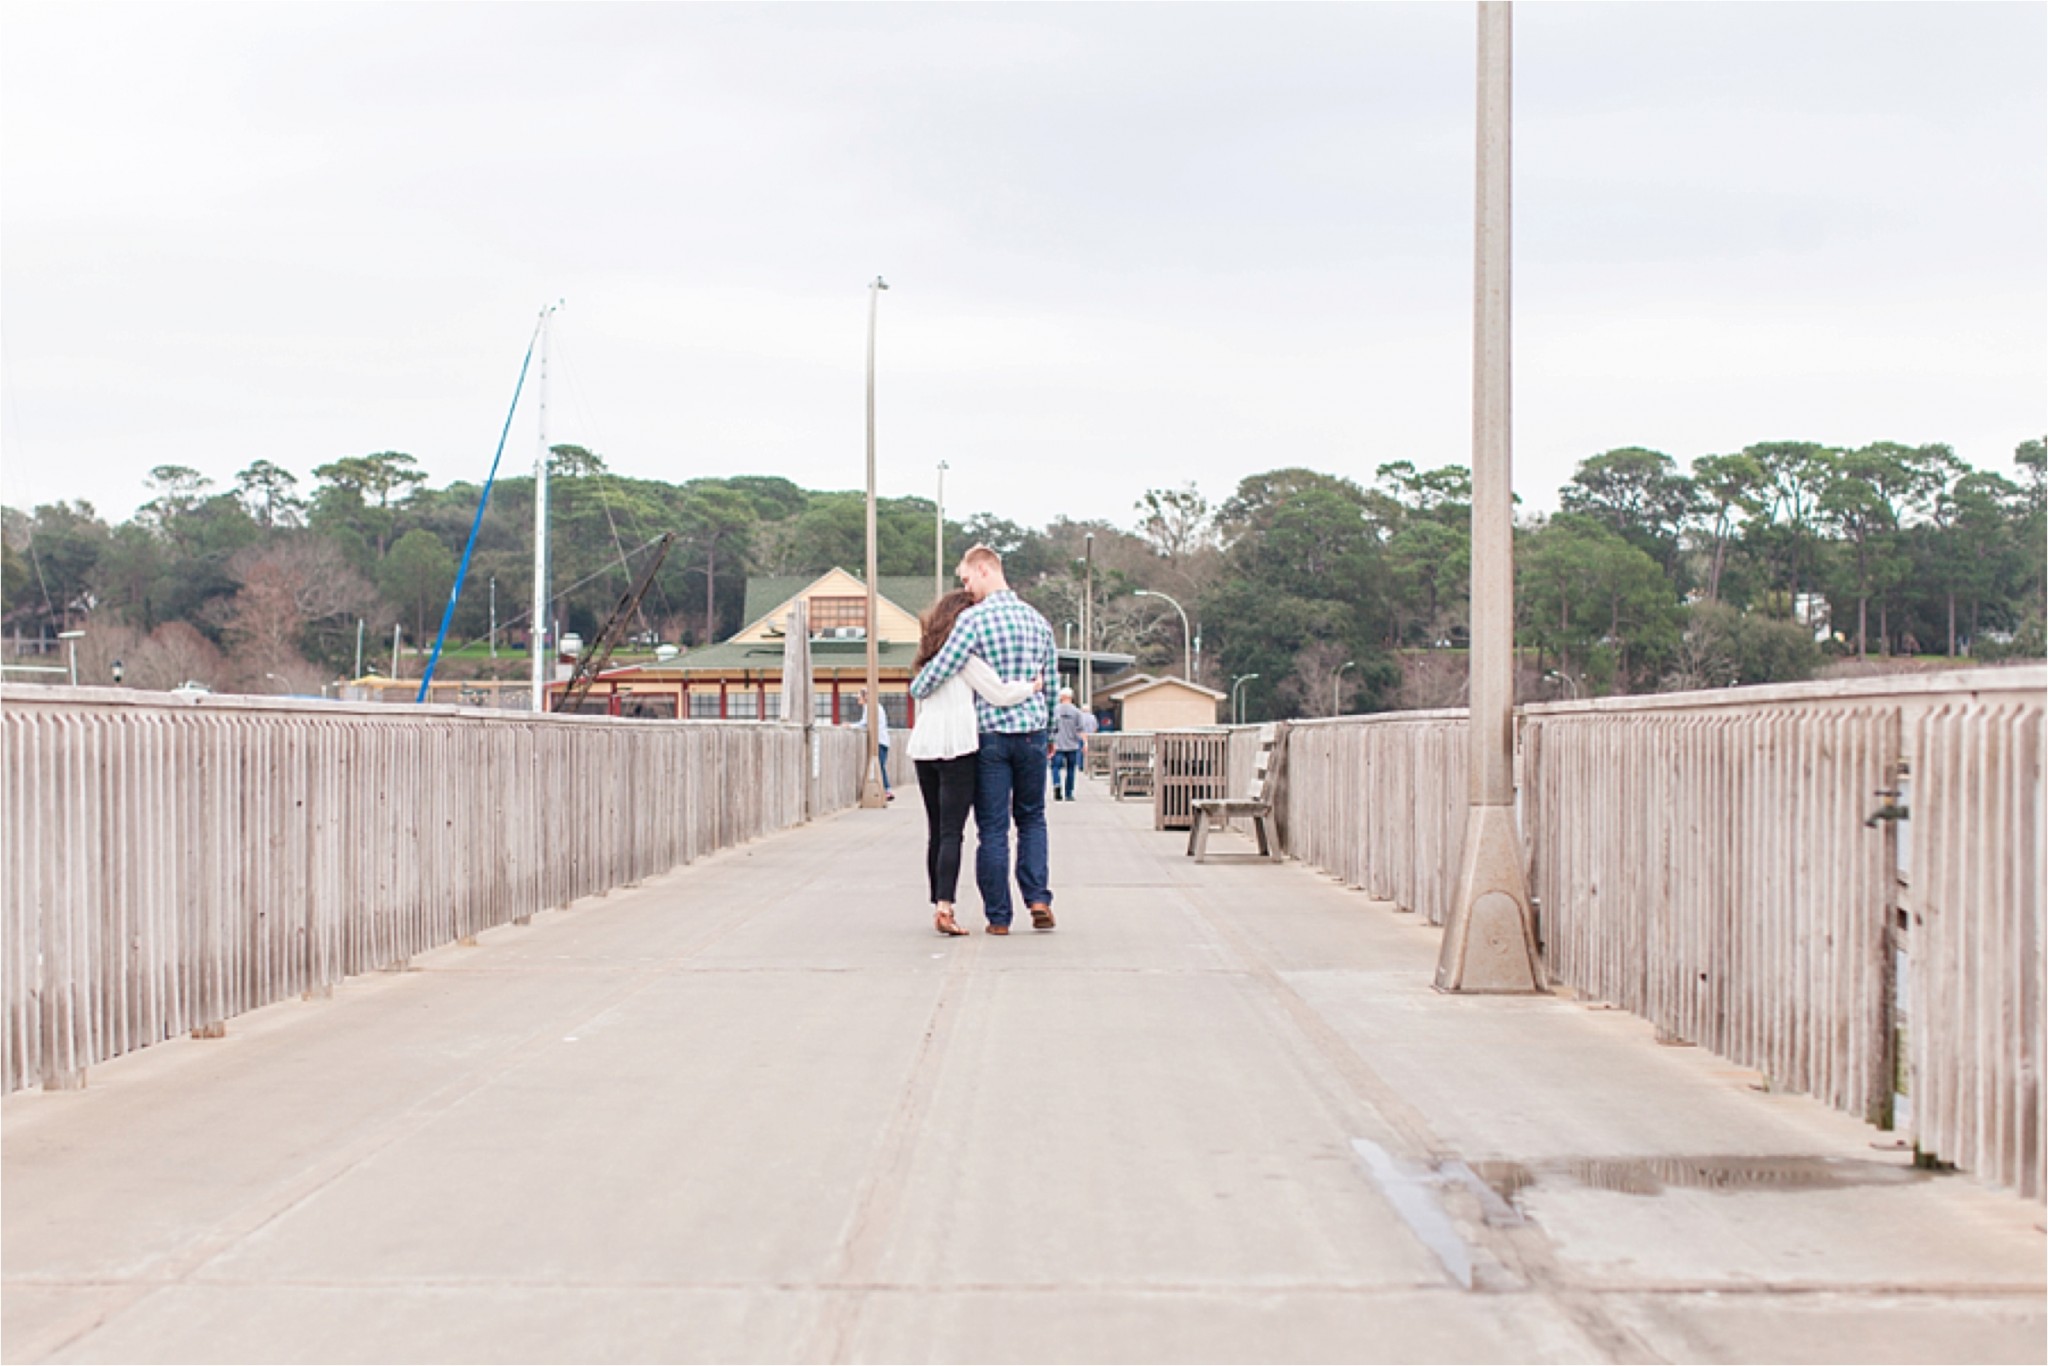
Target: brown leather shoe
{"type": "Point", "coordinates": [999, 929]}
{"type": "Point", "coordinates": [1041, 916]}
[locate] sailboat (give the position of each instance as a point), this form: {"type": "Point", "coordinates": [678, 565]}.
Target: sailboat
{"type": "Point", "coordinates": [538, 632]}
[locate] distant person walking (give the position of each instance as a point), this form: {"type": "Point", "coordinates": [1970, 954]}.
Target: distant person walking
{"type": "Point", "coordinates": [1070, 727]}
{"type": "Point", "coordinates": [945, 744]}
{"type": "Point", "coordinates": [1016, 641]}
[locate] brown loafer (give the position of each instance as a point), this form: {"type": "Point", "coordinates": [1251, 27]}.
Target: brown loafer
{"type": "Point", "coordinates": [999, 929]}
{"type": "Point", "coordinates": [1041, 917]}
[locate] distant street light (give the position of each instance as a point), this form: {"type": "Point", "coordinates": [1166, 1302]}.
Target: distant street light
{"type": "Point", "coordinates": [1337, 683]}
{"type": "Point", "coordinates": [939, 539]}
{"type": "Point", "coordinates": [1088, 625]}
{"type": "Point", "coordinates": [1236, 710]}
{"type": "Point", "coordinates": [873, 791]}
{"type": "Point", "coordinates": [1187, 634]}
{"type": "Point", "coordinates": [73, 637]}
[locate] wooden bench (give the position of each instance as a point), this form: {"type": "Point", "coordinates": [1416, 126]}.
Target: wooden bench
{"type": "Point", "coordinates": [1257, 807]}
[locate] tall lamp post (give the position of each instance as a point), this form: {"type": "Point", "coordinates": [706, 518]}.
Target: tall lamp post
{"type": "Point", "coordinates": [1187, 635]}
{"type": "Point", "coordinates": [1236, 713]}
{"type": "Point", "coordinates": [1337, 687]}
{"type": "Point", "coordinates": [872, 792]}
{"type": "Point", "coordinates": [939, 539]}
{"type": "Point", "coordinates": [71, 639]}
{"type": "Point", "coordinates": [1088, 625]}
{"type": "Point", "coordinates": [1489, 942]}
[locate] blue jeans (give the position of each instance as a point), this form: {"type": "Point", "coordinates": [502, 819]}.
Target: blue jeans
{"type": "Point", "coordinates": [1011, 786]}
{"type": "Point", "coordinates": [1065, 762]}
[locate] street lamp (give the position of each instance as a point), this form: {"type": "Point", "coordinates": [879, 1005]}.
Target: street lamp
{"type": "Point", "coordinates": [873, 793]}
{"type": "Point", "coordinates": [1489, 940]}
{"type": "Point", "coordinates": [1337, 683]}
{"type": "Point", "coordinates": [117, 672]}
{"type": "Point", "coordinates": [1236, 712]}
{"type": "Point", "coordinates": [939, 539]}
{"type": "Point", "coordinates": [73, 637]}
{"type": "Point", "coordinates": [1187, 635]}
{"type": "Point", "coordinates": [1088, 626]}
{"type": "Point", "coordinates": [1567, 680]}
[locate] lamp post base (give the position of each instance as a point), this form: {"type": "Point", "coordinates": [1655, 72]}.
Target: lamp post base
{"type": "Point", "coordinates": [872, 793]}
{"type": "Point", "coordinates": [1490, 936]}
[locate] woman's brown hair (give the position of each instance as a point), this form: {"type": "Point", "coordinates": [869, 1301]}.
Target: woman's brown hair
{"type": "Point", "coordinates": [937, 623]}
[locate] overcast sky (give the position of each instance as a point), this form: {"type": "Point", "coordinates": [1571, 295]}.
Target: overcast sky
{"type": "Point", "coordinates": [1127, 245]}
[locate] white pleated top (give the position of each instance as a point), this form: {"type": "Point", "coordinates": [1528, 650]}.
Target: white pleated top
{"type": "Point", "coordinates": [946, 726]}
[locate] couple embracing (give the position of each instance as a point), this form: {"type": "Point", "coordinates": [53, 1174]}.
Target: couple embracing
{"type": "Point", "coordinates": [984, 659]}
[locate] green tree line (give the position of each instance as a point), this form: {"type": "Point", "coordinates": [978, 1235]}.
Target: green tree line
{"type": "Point", "coordinates": [1748, 567]}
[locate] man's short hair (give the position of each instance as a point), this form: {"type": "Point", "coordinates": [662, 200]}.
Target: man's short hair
{"type": "Point", "coordinates": [982, 555]}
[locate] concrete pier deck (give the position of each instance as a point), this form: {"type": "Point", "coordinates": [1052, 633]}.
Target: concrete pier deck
{"type": "Point", "coordinates": [756, 1110]}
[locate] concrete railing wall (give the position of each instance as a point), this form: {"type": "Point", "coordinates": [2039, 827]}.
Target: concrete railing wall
{"type": "Point", "coordinates": [172, 864]}
{"type": "Point", "coordinates": [1722, 863]}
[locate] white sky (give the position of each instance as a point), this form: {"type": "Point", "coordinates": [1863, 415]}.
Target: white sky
{"type": "Point", "coordinates": [1127, 245]}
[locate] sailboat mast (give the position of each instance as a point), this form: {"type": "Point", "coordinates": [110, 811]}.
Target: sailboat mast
{"type": "Point", "coordinates": [538, 627]}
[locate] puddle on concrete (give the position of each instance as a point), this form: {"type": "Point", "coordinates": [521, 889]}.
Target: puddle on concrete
{"type": "Point", "coordinates": [1655, 1175]}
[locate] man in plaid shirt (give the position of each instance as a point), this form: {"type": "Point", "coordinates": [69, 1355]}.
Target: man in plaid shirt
{"type": "Point", "coordinates": [1017, 643]}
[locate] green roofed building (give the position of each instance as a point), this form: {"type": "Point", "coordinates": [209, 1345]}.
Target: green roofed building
{"type": "Point", "coordinates": [740, 679]}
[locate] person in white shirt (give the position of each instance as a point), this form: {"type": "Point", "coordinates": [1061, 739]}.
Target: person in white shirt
{"type": "Point", "coordinates": [945, 745]}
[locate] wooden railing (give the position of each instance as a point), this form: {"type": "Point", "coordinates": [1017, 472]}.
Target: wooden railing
{"type": "Point", "coordinates": [1733, 866]}
{"type": "Point", "coordinates": [1972, 889]}
{"type": "Point", "coordinates": [1379, 802]}
{"type": "Point", "coordinates": [172, 864]}
{"type": "Point", "coordinates": [1712, 871]}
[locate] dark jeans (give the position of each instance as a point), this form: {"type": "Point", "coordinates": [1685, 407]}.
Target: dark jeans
{"type": "Point", "coordinates": [1012, 787]}
{"type": "Point", "coordinates": [1064, 764]}
{"type": "Point", "coordinates": [948, 787]}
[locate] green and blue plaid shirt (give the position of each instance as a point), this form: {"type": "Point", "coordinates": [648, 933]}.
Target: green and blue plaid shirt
{"type": "Point", "coordinates": [1017, 643]}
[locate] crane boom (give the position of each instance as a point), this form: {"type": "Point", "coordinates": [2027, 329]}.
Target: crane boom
{"type": "Point", "coordinates": [593, 660]}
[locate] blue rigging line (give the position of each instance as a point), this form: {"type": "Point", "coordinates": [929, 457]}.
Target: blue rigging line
{"type": "Point", "coordinates": [476, 524]}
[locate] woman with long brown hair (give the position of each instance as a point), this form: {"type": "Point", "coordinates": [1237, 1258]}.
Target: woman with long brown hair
{"type": "Point", "coordinates": [945, 745]}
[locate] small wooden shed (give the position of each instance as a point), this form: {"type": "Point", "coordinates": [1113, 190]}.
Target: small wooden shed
{"type": "Point", "coordinates": [1166, 704]}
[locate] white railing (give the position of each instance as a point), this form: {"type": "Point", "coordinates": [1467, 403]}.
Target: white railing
{"type": "Point", "coordinates": [172, 864]}
{"type": "Point", "coordinates": [1731, 865]}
